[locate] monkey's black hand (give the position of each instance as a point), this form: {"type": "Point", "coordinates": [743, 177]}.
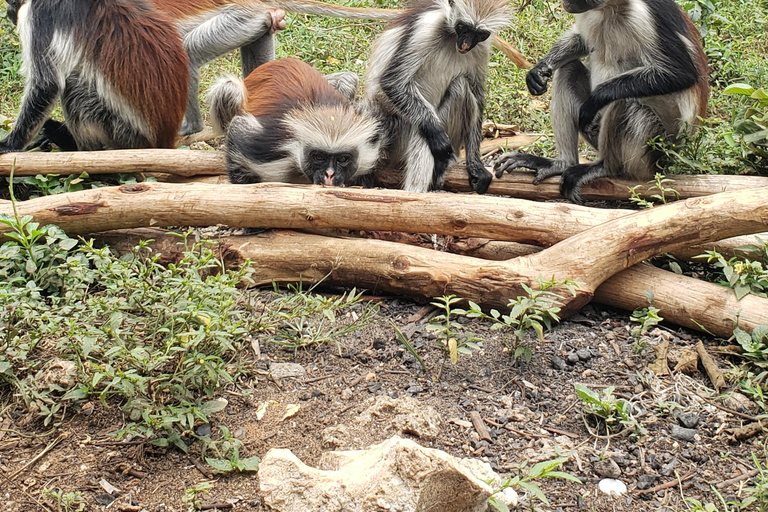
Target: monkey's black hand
{"type": "Point", "coordinates": [537, 78]}
{"type": "Point", "coordinates": [479, 177]}
{"type": "Point", "coordinates": [442, 151]}
{"type": "Point", "coordinates": [587, 114]}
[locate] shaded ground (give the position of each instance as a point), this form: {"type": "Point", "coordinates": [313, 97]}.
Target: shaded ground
{"type": "Point", "coordinates": [531, 410]}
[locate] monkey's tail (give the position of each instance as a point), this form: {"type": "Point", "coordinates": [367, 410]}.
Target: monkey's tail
{"type": "Point", "coordinates": [338, 11]}
{"type": "Point", "coordinates": [226, 99]}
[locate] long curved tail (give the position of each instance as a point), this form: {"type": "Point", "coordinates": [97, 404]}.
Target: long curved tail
{"type": "Point", "coordinates": [226, 99]}
{"type": "Point", "coordinates": [338, 11]}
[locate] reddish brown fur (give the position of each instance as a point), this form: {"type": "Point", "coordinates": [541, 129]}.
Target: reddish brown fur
{"type": "Point", "coordinates": [700, 61]}
{"type": "Point", "coordinates": [279, 85]}
{"type": "Point", "coordinates": [140, 52]}
{"type": "Point", "coordinates": [180, 9]}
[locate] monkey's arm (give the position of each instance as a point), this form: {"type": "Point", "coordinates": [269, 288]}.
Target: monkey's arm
{"type": "Point", "coordinates": [479, 178]}
{"type": "Point", "coordinates": [571, 46]}
{"type": "Point", "coordinates": [40, 94]}
{"type": "Point", "coordinates": [399, 85]}
{"type": "Point", "coordinates": [638, 83]}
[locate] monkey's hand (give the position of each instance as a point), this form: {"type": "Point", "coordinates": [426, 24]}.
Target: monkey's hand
{"type": "Point", "coordinates": [538, 78]}
{"type": "Point", "coordinates": [587, 114]}
{"type": "Point", "coordinates": [440, 146]}
{"type": "Point", "coordinates": [479, 177]}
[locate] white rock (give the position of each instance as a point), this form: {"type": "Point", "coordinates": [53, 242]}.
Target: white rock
{"type": "Point", "coordinates": [612, 487]}
{"type": "Point", "coordinates": [396, 475]}
{"type": "Point", "coordinates": [405, 414]}
{"type": "Point", "coordinates": [285, 370]}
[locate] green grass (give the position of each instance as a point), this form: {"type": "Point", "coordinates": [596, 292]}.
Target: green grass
{"type": "Point", "coordinates": [734, 38]}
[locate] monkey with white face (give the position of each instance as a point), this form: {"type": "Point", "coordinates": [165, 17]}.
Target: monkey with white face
{"type": "Point", "coordinates": [285, 122]}
{"type": "Point", "coordinates": [426, 82]}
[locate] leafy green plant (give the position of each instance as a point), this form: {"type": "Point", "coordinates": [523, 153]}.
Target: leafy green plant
{"type": "Point", "coordinates": [754, 344]}
{"type": "Point", "coordinates": [757, 492]}
{"type": "Point", "coordinates": [742, 274]}
{"type": "Point", "coordinates": [526, 480]}
{"type": "Point", "coordinates": [454, 339]}
{"type": "Point", "coordinates": [227, 450]}
{"type": "Point", "coordinates": [603, 407]}
{"type": "Point", "coordinates": [537, 310]}
{"type": "Point", "coordinates": [64, 501]}
{"type": "Point", "coordinates": [751, 126]}
{"type": "Point", "coordinates": [660, 184]}
{"type": "Point", "coordinates": [191, 498]}
{"type": "Point", "coordinates": [647, 318]}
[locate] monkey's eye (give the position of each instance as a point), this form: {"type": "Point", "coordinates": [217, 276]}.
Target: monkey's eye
{"type": "Point", "coordinates": [343, 159]}
{"type": "Point", "coordinates": [482, 35]}
{"type": "Point", "coordinates": [461, 27]}
{"type": "Point", "coordinates": [318, 157]}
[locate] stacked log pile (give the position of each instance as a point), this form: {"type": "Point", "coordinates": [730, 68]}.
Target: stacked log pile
{"type": "Point", "coordinates": [500, 244]}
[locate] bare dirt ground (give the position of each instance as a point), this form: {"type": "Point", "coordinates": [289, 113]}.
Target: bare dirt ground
{"type": "Point", "coordinates": [531, 411]}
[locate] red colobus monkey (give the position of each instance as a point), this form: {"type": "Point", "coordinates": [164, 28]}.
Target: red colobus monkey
{"type": "Point", "coordinates": [647, 76]}
{"type": "Point", "coordinates": [211, 28]}
{"type": "Point", "coordinates": [117, 65]}
{"type": "Point", "coordinates": [426, 82]}
{"type": "Point", "coordinates": [285, 122]}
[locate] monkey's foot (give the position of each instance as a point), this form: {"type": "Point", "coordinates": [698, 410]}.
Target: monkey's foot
{"type": "Point", "coordinates": [479, 177]}
{"type": "Point", "coordinates": [278, 20]}
{"type": "Point", "coordinates": [544, 167]}
{"type": "Point", "coordinates": [578, 175]}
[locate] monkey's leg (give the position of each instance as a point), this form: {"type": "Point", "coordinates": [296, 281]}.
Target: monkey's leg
{"type": "Point", "coordinates": [54, 132]}
{"type": "Point", "coordinates": [39, 98]}
{"type": "Point", "coordinates": [254, 54]}
{"type": "Point", "coordinates": [234, 27]}
{"type": "Point", "coordinates": [419, 164]}
{"type": "Point", "coordinates": [625, 129]}
{"type": "Point", "coordinates": [570, 89]}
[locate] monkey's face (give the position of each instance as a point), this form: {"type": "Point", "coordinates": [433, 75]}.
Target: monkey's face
{"type": "Point", "coordinates": [13, 10]}
{"type": "Point", "coordinates": [579, 6]}
{"type": "Point", "coordinates": [332, 169]}
{"type": "Point", "coordinates": [468, 36]}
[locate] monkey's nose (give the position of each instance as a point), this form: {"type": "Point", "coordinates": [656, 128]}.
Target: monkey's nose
{"type": "Point", "coordinates": [329, 176]}
{"type": "Point", "coordinates": [464, 48]}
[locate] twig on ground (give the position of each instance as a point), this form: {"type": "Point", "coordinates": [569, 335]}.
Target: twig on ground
{"type": "Point", "coordinates": [670, 484]}
{"type": "Point", "coordinates": [480, 427]}
{"type": "Point", "coordinates": [38, 456]}
{"type": "Point", "coordinates": [737, 479]}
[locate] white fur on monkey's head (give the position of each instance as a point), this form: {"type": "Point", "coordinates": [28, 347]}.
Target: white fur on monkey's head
{"type": "Point", "coordinates": [490, 15]}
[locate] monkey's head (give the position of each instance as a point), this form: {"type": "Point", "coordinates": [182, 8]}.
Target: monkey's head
{"type": "Point", "coordinates": [333, 145]}
{"type": "Point", "coordinates": [579, 6]}
{"type": "Point", "coordinates": [13, 10]}
{"type": "Point", "coordinates": [473, 21]}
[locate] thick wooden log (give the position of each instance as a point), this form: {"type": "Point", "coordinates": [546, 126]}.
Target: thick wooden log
{"type": "Point", "coordinates": [589, 257]}
{"type": "Point", "coordinates": [301, 207]}
{"type": "Point", "coordinates": [172, 161]}
{"type": "Point", "coordinates": [205, 163]}
{"type": "Point", "coordinates": [702, 305]}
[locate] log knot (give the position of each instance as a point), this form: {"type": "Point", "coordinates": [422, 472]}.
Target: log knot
{"type": "Point", "coordinates": [401, 263]}
{"type": "Point", "coordinates": [134, 188]}
{"type": "Point", "coordinates": [77, 209]}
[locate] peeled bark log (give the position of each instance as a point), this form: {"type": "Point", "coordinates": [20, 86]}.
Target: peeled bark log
{"type": "Point", "coordinates": [589, 258]}
{"type": "Point", "coordinates": [199, 163]}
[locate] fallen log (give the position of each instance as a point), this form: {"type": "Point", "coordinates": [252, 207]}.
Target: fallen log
{"type": "Point", "coordinates": [703, 305]}
{"type": "Point", "coordinates": [589, 257]}
{"type": "Point", "coordinates": [206, 163]}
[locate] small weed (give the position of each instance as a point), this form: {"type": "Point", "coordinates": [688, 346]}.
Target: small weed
{"type": "Point", "coordinates": [454, 339]}
{"type": "Point", "coordinates": [757, 493]}
{"type": "Point", "coordinates": [191, 498]}
{"type": "Point", "coordinates": [613, 414]}
{"type": "Point", "coordinates": [228, 451]}
{"type": "Point", "coordinates": [742, 274]}
{"type": "Point", "coordinates": [526, 480]}
{"type": "Point", "coordinates": [538, 310]}
{"type": "Point", "coordinates": [658, 183]}
{"type": "Point", "coordinates": [64, 501]}
{"type": "Point", "coordinates": [647, 318]}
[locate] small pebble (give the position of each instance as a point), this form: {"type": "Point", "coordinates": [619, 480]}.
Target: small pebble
{"type": "Point", "coordinates": [645, 481]}
{"type": "Point", "coordinates": [669, 467]}
{"type": "Point", "coordinates": [374, 387]}
{"type": "Point", "coordinates": [607, 468]}
{"type": "Point", "coordinates": [203, 430]}
{"type": "Point", "coordinates": [584, 354]}
{"type": "Point", "coordinates": [689, 419]}
{"type": "Point", "coordinates": [683, 434]}
{"type": "Point", "coordinates": [558, 363]}
{"type": "Point", "coordinates": [572, 358]}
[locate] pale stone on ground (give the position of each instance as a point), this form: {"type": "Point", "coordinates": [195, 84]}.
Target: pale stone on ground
{"type": "Point", "coordinates": [396, 475]}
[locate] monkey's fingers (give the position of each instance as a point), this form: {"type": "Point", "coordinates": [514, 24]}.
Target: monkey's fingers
{"type": "Point", "coordinates": [509, 162]}
{"type": "Point", "coordinates": [536, 82]}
